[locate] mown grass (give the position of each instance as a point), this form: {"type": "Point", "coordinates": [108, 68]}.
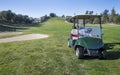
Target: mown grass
{"type": "Point", "coordinates": [51, 56]}
{"type": "Point", "coordinates": [8, 36]}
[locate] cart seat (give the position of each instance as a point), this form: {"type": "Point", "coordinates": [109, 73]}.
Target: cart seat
{"type": "Point", "coordinates": [74, 34]}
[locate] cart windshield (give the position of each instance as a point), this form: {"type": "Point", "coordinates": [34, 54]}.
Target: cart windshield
{"type": "Point", "coordinates": [90, 31]}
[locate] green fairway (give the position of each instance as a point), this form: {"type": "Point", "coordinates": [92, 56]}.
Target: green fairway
{"type": "Point", "coordinates": [51, 56]}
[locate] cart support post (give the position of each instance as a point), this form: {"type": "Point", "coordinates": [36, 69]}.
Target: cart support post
{"type": "Point", "coordinates": [74, 22]}
{"type": "Point", "coordinates": [84, 22]}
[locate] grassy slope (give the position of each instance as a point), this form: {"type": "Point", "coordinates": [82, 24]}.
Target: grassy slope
{"type": "Point", "coordinates": [51, 56]}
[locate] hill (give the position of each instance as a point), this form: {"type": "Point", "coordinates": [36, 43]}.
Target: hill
{"type": "Point", "coordinates": [51, 56]}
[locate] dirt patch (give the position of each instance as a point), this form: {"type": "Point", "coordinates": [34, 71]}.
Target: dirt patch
{"type": "Point", "coordinates": [24, 37]}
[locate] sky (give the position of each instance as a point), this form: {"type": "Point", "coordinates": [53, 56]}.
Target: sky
{"type": "Point", "coordinates": [38, 8]}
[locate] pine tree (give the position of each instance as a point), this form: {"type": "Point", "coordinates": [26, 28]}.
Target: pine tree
{"type": "Point", "coordinates": [105, 16]}
{"type": "Point", "coordinates": [113, 15]}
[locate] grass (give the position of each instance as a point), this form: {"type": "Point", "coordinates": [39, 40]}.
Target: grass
{"type": "Point", "coordinates": [51, 56]}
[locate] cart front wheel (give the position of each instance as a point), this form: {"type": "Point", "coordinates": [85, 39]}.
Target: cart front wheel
{"type": "Point", "coordinates": [69, 44]}
{"type": "Point", "coordinates": [79, 52]}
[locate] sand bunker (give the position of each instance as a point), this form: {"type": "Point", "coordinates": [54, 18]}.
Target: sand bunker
{"type": "Point", "coordinates": [23, 37]}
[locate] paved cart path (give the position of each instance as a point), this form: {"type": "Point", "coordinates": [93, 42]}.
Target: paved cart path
{"type": "Point", "coordinates": [23, 37]}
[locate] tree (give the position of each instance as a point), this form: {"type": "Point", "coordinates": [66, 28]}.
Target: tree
{"type": "Point", "coordinates": [3, 16]}
{"type": "Point", "coordinates": [63, 16]}
{"type": "Point", "coordinates": [117, 19]}
{"type": "Point", "coordinates": [52, 15]}
{"type": "Point", "coordinates": [8, 17]}
{"type": "Point", "coordinates": [91, 19]}
{"type": "Point", "coordinates": [69, 19]}
{"type": "Point", "coordinates": [105, 16]}
{"type": "Point", "coordinates": [86, 12]}
{"type": "Point", "coordinates": [90, 12]}
{"type": "Point", "coordinates": [96, 21]}
{"type": "Point", "coordinates": [13, 19]}
{"type": "Point", "coordinates": [113, 15]}
{"type": "Point", "coordinates": [44, 18]}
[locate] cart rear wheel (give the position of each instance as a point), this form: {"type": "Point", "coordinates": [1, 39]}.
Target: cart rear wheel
{"type": "Point", "coordinates": [102, 53]}
{"type": "Point", "coordinates": [79, 52]}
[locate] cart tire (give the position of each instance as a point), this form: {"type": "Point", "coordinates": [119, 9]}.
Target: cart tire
{"type": "Point", "coordinates": [102, 54]}
{"type": "Point", "coordinates": [69, 45]}
{"type": "Point", "coordinates": [79, 52]}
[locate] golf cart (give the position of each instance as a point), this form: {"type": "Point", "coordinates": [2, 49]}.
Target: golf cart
{"type": "Point", "coordinates": [86, 39]}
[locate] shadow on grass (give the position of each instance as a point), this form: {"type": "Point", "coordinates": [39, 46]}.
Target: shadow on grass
{"type": "Point", "coordinates": [87, 57]}
{"type": "Point", "coordinates": [13, 28]}
{"type": "Point", "coordinates": [113, 54]}
{"type": "Point", "coordinates": [31, 25]}
{"type": "Point", "coordinates": [108, 46]}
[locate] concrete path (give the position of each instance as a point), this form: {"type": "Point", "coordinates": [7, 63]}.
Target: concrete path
{"type": "Point", "coordinates": [24, 37]}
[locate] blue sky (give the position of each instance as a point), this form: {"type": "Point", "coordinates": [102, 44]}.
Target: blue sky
{"type": "Point", "coordinates": [37, 8]}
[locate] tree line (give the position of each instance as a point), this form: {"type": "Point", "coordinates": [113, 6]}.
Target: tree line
{"type": "Point", "coordinates": [8, 17]}
{"type": "Point", "coordinates": [111, 17]}
{"type": "Point", "coordinates": [106, 17]}
{"type": "Point", "coordinates": [44, 18]}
